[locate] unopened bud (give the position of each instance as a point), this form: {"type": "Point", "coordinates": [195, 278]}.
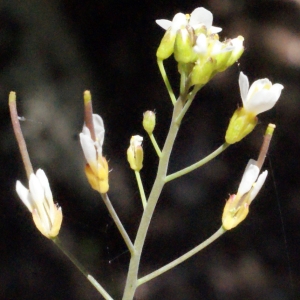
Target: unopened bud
{"type": "Point", "coordinates": [241, 124]}
{"type": "Point", "coordinates": [183, 48]}
{"type": "Point", "coordinates": [135, 153]}
{"type": "Point", "coordinates": [166, 47]}
{"type": "Point", "coordinates": [149, 121]}
{"type": "Point", "coordinates": [202, 72]}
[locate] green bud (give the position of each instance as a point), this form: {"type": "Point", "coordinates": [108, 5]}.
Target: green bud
{"type": "Point", "coordinates": [202, 72]}
{"type": "Point", "coordinates": [241, 124]}
{"type": "Point", "coordinates": [237, 51]}
{"type": "Point", "coordinates": [149, 121]}
{"type": "Point", "coordinates": [166, 47]}
{"type": "Point", "coordinates": [183, 47]}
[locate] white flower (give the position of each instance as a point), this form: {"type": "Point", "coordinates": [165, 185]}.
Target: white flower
{"type": "Point", "coordinates": [97, 168]}
{"type": "Point", "coordinates": [237, 206]}
{"type": "Point", "coordinates": [92, 149]}
{"type": "Point", "coordinates": [39, 201]}
{"type": "Point", "coordinates": [199, 17]}
{"type": "Point", "coordinates": [261, 96]}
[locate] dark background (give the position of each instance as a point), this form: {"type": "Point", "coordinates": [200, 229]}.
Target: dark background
{"type": "Point", "coordinates": [50, 52]}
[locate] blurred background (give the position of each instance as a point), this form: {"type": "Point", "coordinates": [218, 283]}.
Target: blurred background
{"type": "Point", "coordinates": [50, 52]}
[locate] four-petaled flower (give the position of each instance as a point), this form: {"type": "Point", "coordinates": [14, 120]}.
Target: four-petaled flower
{"type": "Point", "coordinates": [96, 168]}
{"type": "Point", "coordinates": [261, 96]}
{"type": "Point", "coordinates": [47, 216]}
{"type": "Point", "coordinates": [237, 206]}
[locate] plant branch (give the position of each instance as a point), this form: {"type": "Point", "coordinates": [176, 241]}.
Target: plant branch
{"type": "Point", "coordinates": [182, 258]}
{"type": "Point", "coordinates": [118, 223]}
{"type": "Point", "coordinates": [198, 164]}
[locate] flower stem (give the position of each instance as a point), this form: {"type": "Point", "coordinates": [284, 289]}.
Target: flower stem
{"type": "Point", "coordinates": [155, 145]}
{"type": "Point", "coordinates": [18, 133]}
{"type": "Point", "coordinates": [198, 164]}
{"type": "Point", "coordinates": [118, 223]}
{"type": "Point", "coordinates": [166, 80]}
{"type": "Point", "coordinates": [182, 258]}
{"type": "Point", "coordinates": [189, 101]}
{"type": "Point", "coordinates": [141, 188]}
{"type": "Point", "coordinates": [78, 265]}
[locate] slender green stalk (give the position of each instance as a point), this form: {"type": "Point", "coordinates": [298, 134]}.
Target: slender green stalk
{"type": "Point", "coordinates": [189, 101]}
{"type": "Point", "coordinates": [155, 145]}
{"type": "Point", "coordinates": [131, 282]}
{"type": "Point", "coordinates": [198, 164]}
{"type": "Point", "coordinates": [182, 258]}
{"type": "Point", "coordinates": [118, 223]}
{"type": "Point", "coordinates": [78, 265]}
{"type": "Point", "coordinates": [141, 188]}
{"type": "Point", "coordinates": [166, 80]}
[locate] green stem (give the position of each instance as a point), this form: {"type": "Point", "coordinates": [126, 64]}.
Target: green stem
{"type": "Point", "coordinates": [155, 145]}
{"type": "Point", "coordinates": [189, 101]}
{"type": "Point", "coordinates": [166, 80]}
{"type": "Point", "coordinates": [118, 223]}
{"type": "Point", "coordinates": [182, 258]}
{"type": "Point", "coordinates": [90, 278]}
{"type": "Point", "coordinates": [198, 164]}
{"type": "Point", "coordinates": [131, 282]}
{"type": "Point", "coordinates": [141, 188]}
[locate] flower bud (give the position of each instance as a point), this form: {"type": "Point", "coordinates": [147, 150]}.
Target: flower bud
{"type": "Point", "coordinates": [135, 153]}
{"type": "Point", "coordinates": [202, 73]}
{"type": "Point", "coordinates": [149, 121]}
{"type": "Point", "coordinates": [166, 47]}
{"type": "Point", "coordinates": [183, 47]}
{"type": "Point", "coordinates": [241, 124]}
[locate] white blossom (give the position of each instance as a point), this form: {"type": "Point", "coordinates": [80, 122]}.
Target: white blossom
{"type": "Point", "coordinates": [39, 201]}
{"type": "Point", "coordinates": [261, 96]}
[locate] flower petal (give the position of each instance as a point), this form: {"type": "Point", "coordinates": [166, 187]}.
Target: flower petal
{"type": "Point", "coordinates": [249, 177]}
{"type": "Point", "coordinates": [201, 15]}
{"type": "Point", "coordinates": [165, 24]}
{"type": "Point", "coordinates": [99, 132]}
{"type": "Point", "coordinates": [244, 86]}
{"type": "Point", "coordinates": [24, 195]}
{"type": "Point", "coordinates": [201, 44]}
{"type": "Point", "coordinates": [88, 148]}
{"type": "Point", "coordinates": [258, 185]}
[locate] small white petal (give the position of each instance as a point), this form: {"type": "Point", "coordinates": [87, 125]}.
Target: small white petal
{"type": "Point", "coordinates": [99, 131]}
{"type": "Point", "coordinates": [179, 21]}
{"type": "Point", "coordinates": [165, 24]}
{"type": "Point", "coordinates": [45, 183]}
{"type": "Point", "coordinates": [36, 189]}
{"type": "Point", "coordinates": [249, 177]}
{"type": "Point", "coordinates": [24, 195]}
{"type": "Point", "coordinates": [244, 86]}
{"type": "Point", "coordinates": [203, 16]}
{"type": "Point", "coordinates": [88, 148]}
{"type": "Point", "coordinates": [201, 44]}
{"type": "Point", "coordinates": [258, 185]}
{"type": "Point", "coordinates": [214, 29]}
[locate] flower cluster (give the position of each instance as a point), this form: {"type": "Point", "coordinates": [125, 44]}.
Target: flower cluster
{"type": "Point", "coordinates": [237, 206]}
{"type": "Point", "coordinates": [194, 41]}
